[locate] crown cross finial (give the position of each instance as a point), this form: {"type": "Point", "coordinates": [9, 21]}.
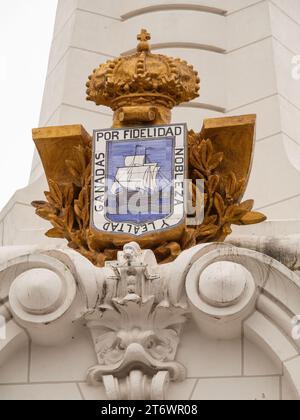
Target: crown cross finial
{"type": "Point", "coordinates": [142, 80]}
{"type": "Point", "coordinates": [144, 36]}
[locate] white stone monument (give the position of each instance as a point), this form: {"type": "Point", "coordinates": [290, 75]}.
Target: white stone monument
{"type": "Point", "coordinates": [226, 318]}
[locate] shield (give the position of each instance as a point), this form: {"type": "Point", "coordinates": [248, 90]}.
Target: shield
{"type": "Point", "coordinates": [138, 182]}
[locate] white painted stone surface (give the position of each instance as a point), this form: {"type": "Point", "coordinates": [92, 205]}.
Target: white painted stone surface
{"type": "Point", "coordinates": [205, 357]}
{"type": "Point", "coordinates": [65, 363]}
{"type": "Point", "coordinates": [257, 363]}
{"type": "Point", "coordinates": [273, 341]}
{"type": "Point", "coordinates": [91, 393]}
{"type": "Point", "coordinates": [176, 392]}
{"type": "Point", "coordinates": [292, 372]}
{"type": "Point", "coordinates": [268, 121]}
{"type": "Point", "coordinates": [39, 291]}
{"type": "Point", "coordinates": [270, 228]}
{"type": "Point", "coordinates": [16, 368]}
{"type": "Point", "coordinates": [250, 366]}
{"type": "Point", "coordinates": [261, 389]}
{"type": "Point", "coordinates": [288, 393]}
{"type": "Point", "coordinates": [290, 8]}
{"type": "Point", "coordinates": [15, 338]}
{"type": "Point", "coordinates": [40, 392]}
{"type": "Point", "coordinates": [1, 234]}
{"type": "Point", "coordinates": [223, 284]}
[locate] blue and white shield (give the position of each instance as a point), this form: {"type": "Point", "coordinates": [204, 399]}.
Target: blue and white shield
{"type": "Point", "coordinates": [138, 179]}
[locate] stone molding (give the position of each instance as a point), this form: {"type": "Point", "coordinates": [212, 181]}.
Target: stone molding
{"type": "Point", "coordinates": [135, 309]}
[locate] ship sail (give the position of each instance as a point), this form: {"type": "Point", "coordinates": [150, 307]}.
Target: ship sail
{"type": "Point", "coordinates": [135, 160]}
{"type": "Point", "coordinates": [136, 175]}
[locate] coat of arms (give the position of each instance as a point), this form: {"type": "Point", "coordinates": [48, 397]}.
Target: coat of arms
{"type": "Point", "coordinates": [138, 179]}
{"type": "Point", "coordinates": [132, 184]}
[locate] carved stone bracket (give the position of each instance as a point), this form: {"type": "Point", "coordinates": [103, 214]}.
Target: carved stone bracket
{"type": "Point", "coordinates": [135, 328]}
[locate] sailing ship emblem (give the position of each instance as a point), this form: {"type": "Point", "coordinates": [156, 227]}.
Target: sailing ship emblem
{"type": "Point", "coordinates": [139, 178]}
{"type": "Point", "coordinates": [137, 175]}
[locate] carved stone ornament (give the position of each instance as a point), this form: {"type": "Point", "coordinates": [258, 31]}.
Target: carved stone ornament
{"type": "Point", "coordinates": [142, 89]}
{"type": "Point", "coordinates": [135, 310]}
{"type": "Point", "coordinates": [136, 329]}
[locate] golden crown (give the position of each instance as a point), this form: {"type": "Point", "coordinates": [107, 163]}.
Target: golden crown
{"type": "Point", "coordinates": [143, 78]}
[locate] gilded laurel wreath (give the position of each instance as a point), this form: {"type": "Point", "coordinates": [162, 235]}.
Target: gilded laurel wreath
{"type": "Point", "coordinates": [222, 195]}
{"type": "Point", "coordinates": [68, 206]}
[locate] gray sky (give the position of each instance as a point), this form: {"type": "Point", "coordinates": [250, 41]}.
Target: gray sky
{"type": "Point", "coordinates": [26, 28]}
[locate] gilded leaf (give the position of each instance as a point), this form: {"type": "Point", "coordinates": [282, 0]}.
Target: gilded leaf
{"type": "Point", "coordinates": [247, 205]}
{"type": "Point", "coordinates": [38, 204]}
{"type": "Point", "coordinates": [167, 250]}
{"type": "Point", "coordinates": [226, 229]}
{"type": "Point", "coordinates": [239, 190]}
{"type": "Point", "coordinates": [211, 220]}
{"type": "Point", "coordinates": [69, 217]}
{"type": "Point", "coordinates": [234, 213]}
{"type": "Point", "coordinates": [44, 212]}
{"type": "Point", "coordinates": [57, 222]}
{"type": "Point", "coordinates": [231, 184]}
{"type": "Point", "coordinates": [81, 207]}
{"type": "Point", "coordinates": [110, 254]}
{"type": "Point", "coordinates": [215, 160]}
{"type": "Point", "coordinates": [192, 138]}
{"type": "Point", "coordinates": [80, 157]}
{"type": "Point", "coordinates": [77, 209]}
{"type": "Point", "coordinates": [252, 217]}
{"type": "Point", "coordinates": [195, 160]}
{"type": "Point", "coordinates": [73, 245]}
{"type": "Point", "coordinates": [205, 153]}
{"type": "Point", "coordinates": [210, 149]}
{"type": "Point", "coordinates": [212, 184]}
{"type": "Point", "coordinates": [197, 196]}
{"type": "Point", "coordinates": [188, 238]}
{"type": "Point", "coordinates": [206, 230]}
{"type": "Point", "coordinates": [56, 193]}
{"type": "Point", "coordinates": [49, 198]}
{"type": "Point", "coordinates": [55, 233]}
{"type": "Point", "coordinates": [197, 174]}
{"type": "Point", "coordinates": [219, 205]}
{"type": "Point", "coordinates": [68, 194]}
{"type": "Point", "coordinates": [88, 174]}
{"type": "Point", "coordinates": [74, 171]}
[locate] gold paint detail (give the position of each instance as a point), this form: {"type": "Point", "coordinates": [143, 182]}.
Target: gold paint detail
{"type": "Point", "coordinates": [68, 151]}
{"type": "Point", "coordinates": [143, 80]}
{"type": "Point", "coordinates": [142, 89]}
{"type": "Point", "coordinates": [143, 37]}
